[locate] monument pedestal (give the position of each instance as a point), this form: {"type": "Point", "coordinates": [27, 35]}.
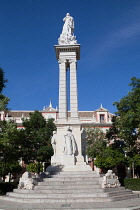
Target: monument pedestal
{"type": "Point", "coordinates": [63, 160]}
{"type": "Point", "coordinates": [73, 162]}
{"type": "Point", "coordinates": [69, 160]}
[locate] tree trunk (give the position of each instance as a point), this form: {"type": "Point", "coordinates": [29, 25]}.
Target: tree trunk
{"type": "Point", "coordinates": [10, 177]}
{"type": "Point", "coordinates": [3, 177]}
{"type": "Point", "coordinates": [133, 170]}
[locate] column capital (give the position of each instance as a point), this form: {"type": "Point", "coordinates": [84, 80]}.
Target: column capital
{"type": "Point", "coordinates": [62, 61]}
{"type": "Point", "coordinates": [72, 61]}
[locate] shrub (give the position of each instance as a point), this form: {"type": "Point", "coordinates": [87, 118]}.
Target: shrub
{"type": "Point", "coordinates": [35, 167]}
{"type": "Point", "coordinates": [7, 187]}
{"type": "Point", "coordinates": [132, 183]}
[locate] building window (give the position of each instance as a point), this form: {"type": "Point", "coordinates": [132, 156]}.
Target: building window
{"type": "Point", "coordinates": [102, 118]}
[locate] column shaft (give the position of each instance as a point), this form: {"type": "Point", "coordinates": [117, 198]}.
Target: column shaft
{"type": "Point", "coordinates": [73, 91]}
{"type": "Point", "coordinates": [62, 91]}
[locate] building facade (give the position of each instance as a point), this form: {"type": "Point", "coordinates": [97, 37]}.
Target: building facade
{"type": "Point", "coordinates": [101, 117]}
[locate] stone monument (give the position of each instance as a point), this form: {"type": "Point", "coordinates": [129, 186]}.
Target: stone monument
{"type": "Point", "coordinates": [110, 180]}
{"type": "Point", "coordinates": [68, 137]}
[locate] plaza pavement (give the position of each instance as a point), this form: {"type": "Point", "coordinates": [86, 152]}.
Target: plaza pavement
{"type": "Point", "coordinates": [131, 204]}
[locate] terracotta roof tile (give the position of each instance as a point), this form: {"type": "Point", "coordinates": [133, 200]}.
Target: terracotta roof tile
{"type": "Point", "coordinates": [19, 113]}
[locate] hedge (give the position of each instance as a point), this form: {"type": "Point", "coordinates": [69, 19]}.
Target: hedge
{"type": "Point", "coordinates": [132, 183]}
{"type": "Point", "coordinates": [7, 187]}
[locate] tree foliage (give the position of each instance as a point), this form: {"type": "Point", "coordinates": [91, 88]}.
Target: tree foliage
{"type": "Point", "coordinates": [128, 115]}
{"type": "Point", "coordinates": [36, 138]}
{"type": "Point", "coordinates": [126, 124]}
{"type": "Point", "coordinates": [2, 80]}
{"type": "Point", "coordinates": [35, 167]}
{"type": "Point", "coordinates": [95, 141]}
{"type": "Point", "coordinates": [3, 99]}
{"type": "Point", "coordinates": [106, 156]}
{"type": "Point", "coordinates": [113, 130]}
{"type": "Point", "coordinates": [9, 148]}
{"type": "Point", "coordinates": [110, 158]}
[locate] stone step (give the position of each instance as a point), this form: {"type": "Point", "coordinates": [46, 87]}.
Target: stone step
{"type": "Point", "coordinates": [119, 190]}
{"type": "Point", "coordinates": [114, 189]}
{"type": "Point", "coordinates": [68, 183]}
{"type": "Point", "coordinates": [68, 194]}
{"type": "Point", "coordinates": [56, 200]}
{"type": "Point", "coordinates": [59, 191]}
{"type": "Point", "coordinates": [74, 179]}
{"type": "Point", "coordinates": [124, 197]}
{"type": "Point", "coordinates": [75, 172]}
{"type": "Point", "coordinates": [69, 199]}
{"type": "Point", "coordinates": [66, 186]}
{"type": "Point", "coordinates": [70, 187]}
{"type": "Point", "coordinates": [75, 175]}
{"type": "Point", "coordinates": [59, 195]}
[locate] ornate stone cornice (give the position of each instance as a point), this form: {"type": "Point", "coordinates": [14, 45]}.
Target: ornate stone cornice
{"type": "Point", "coordinates": [67, 48]}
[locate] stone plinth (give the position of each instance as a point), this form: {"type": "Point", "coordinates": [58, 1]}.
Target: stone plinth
{"type": "Point", "coordinates": [71, 160]}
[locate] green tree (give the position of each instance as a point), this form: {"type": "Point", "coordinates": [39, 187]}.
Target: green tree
{"type": "Point", "coordinates": [3, 99]}
{"type": "Point", "coordinates": [128, 119]}
{"type": "Point", "coordinates": [128, 115]}
{"type": "Point", "coordinates": [95, 141]}
{"type": "Point", "coordinates": [109, 158]}
{"type": "Point", "coordinates": [9, 147]}
{"type": "Point", "coordinates": [113, 131]}
{"type": "Point", "coordinates": [106, 156]}
{"type": "Point", "coordinates": [36, 139]}
{"type": "Point", "coordinates": [33, 167]}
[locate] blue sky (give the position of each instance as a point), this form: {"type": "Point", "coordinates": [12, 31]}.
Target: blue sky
{"type": "Point", "coordinates": [107, 30]}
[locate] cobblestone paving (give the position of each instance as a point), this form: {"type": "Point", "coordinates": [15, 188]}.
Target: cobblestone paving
{"type": "Point", "coordinates": [131, 204]}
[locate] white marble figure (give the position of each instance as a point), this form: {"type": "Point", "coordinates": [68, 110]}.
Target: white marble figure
{"type": "Point", "coordinates": [69, 142]}
{"type": "Point", "coordinates": [67, 36]}
{"type": "Point", "coordinates": [68, 27]}
{"type": "Point", "coordinates": [110, 180]}
{"type": "Point", "coordinates": [26, 181]}
{"type": "Point", "coordinates": [53, 142]}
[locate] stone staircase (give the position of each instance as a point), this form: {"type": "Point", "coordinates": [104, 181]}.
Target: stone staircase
{"type": "Point", "coordinates": [70, 187]}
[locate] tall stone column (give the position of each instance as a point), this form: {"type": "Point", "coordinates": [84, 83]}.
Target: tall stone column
{"type": "Point", "coordinates": [62, 90]}
{"type": "Point", "coordinates": [73, 91]}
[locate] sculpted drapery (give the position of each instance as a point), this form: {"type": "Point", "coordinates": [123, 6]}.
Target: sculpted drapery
{"type": "Point", "coordinates": [68, 28]}
{"type": "Point", "coordinates": [67, 36]}
{"type": "Point", "coordinates": [69, 143]}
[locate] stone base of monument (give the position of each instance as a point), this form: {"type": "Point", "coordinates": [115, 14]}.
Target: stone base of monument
{"type": "Point", "coordinates": [70, 187]}
{"type": "Point", "coordinates": [73, 161]}
{"type": "Point", "coordinates": [77, 168]}
{"type": "Point", "coordinates": [67, 163]}
{"type": "Point", "coordinates": [65, 159]}
{"type": "Point", "coordinates": [55, 168]}
{"type": "Point", "coordinates": [69, 160]}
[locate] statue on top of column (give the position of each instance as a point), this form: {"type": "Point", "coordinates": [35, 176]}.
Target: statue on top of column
{"type": "Point", "coordinates": [68, 27]}
{"type": "Point", "coordinates": [67, 36]}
